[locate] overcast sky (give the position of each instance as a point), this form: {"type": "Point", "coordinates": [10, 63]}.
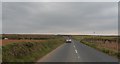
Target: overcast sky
{"type": "Point", "coordinates": [60, 0]}
{"type": "Point", "coordinates": [0, 18]}
{"type": "Point", "coordinates": [67, 18]}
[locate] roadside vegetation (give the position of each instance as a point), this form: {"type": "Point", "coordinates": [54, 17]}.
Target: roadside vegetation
{"type": "Point", "coordinates": [106, 44]}
{"type": "Point", "coordinates": [0, 37]}
{"type": "Point", "coordinates": [0, 48]}
{"type": "Point", "coordinates": [29, 51]}
{"type": "Point", "coordinates": [0, 54]}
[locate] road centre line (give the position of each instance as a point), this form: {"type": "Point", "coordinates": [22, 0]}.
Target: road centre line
{"type": "Point", "coordinates": [76, 50]}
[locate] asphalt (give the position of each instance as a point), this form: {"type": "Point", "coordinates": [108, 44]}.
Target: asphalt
{"type": "Point", "coordinates": [76, 52]}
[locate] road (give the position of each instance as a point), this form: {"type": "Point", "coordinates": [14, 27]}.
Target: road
{"type": "Point", "coordinates": [76, 52]}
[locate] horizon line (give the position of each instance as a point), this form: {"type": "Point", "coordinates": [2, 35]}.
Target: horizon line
{"type": "Point", "coordinates": [60, 34]}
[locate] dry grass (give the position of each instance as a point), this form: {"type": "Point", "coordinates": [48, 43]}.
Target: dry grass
{"type": "Point", "coordinates": [0, 42]}
{"type": "Point", "coordinates": [5, 42]}
{"type": "Point", "coordinates": [113, 46]}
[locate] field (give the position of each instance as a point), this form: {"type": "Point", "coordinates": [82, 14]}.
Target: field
{"type": "Point", "coordinates": [26, 36]}
{"type": "Point", "coordinates": [106, 44]}
{"type": "Point", "coordinates": [5, 42]}
{"type": "Point", "coordinates": [0, 42]}
{"type": "Point", "coordinates": [18, 38]}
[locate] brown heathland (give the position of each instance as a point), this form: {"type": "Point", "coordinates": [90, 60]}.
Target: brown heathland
{"type": "Point", "coordinates": [5, 42]}
{"type": "Point", "coordinates": [112, 45]}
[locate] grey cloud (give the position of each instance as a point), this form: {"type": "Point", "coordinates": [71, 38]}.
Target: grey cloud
{"type": "Point", "coordinates": [0, 17]}
{"type": "Point", "coordinates": [31, 17]}
{"type": "Point", "coordinates": [60, 0]}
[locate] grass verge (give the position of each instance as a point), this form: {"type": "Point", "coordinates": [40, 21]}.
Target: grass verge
{"type": "Point", "coordinates": [29, 51]}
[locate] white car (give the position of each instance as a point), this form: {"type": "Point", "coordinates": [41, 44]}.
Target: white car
{"type": "Point", "coordinates": [68, 40]}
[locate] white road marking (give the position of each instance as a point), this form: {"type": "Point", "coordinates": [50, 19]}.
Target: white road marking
{"type": "Point", "coordinates": [76, 51]}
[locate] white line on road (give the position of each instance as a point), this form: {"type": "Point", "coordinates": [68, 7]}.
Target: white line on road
{"type": "Point", "coordinates": [76, 51]}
